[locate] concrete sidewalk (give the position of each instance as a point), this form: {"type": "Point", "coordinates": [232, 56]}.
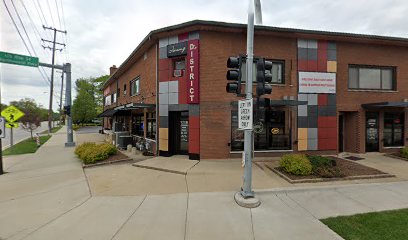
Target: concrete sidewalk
{"type": "Point", "coordinates": [46, 196]}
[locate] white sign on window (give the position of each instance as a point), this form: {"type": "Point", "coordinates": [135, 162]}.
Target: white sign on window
{"type": "Point", "coordinates": [245, 116]}
{"type": "Point", "coordinates": [317, 82]}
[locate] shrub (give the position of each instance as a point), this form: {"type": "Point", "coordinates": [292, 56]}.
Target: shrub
{"type": "Point", "coordinates": [297, 164]}
{"type": "Point", "coordinates": [329, 172]}
{"type": "Point", "coordinates": [75, 127]}
{"type": "Point", "coordinates": [404, 152]}
{"type": "Point", "coordinates": [320, 161]}
{"type": "Point", "coordinates": [90, 152]}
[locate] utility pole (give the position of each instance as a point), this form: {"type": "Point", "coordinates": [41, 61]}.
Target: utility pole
{"type": "Point", "coordinates": [62, 87]}
{"type": "Point", "coordinates": [246, 198]}
{"type": "Point", "coordinates": [50, 116]}
{"type": "Point", "coordinates": [70, 137]}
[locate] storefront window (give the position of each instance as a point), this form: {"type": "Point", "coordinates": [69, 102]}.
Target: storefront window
{"type": "Point", "coordinates": [138, 125]}
{"type": "Point", "coordinates": [393, 129]}
{"type": "Point", "coordinates": [151, 125]}
{"type": "Point", "coordinates": [273, 133]}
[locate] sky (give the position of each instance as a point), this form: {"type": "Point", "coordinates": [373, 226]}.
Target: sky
{"type": "Point", "coordinates": [102, 33]}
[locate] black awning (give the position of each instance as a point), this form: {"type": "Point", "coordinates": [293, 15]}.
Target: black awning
{"type": "Point", "coordinates": [385, 105]}
{"type": "Point", "coordinates": [132, 106]}
{"type": "Point", "coordinates": [108, 113]}
{"type": "Point", "coordinates": [270, 102]}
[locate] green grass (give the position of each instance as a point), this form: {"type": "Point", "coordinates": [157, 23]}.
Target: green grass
{"type": "Point", "coordinates": [387, 225]}
{"type": "Point", "coordinates": [26, 146]}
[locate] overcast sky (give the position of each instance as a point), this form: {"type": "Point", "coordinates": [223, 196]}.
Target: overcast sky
{"type": "Point", "coordinates": [104, 32]}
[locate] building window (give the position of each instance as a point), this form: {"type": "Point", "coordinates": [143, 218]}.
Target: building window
{"type": "Point", "coordinates": [151, 125]}
{"type": "Point", "coordinates": [108, 100]}
{"type": "Point", "coordinates": [278, 72]}
{"type": "Point", "coordinates": [371, 78]}
{"type": "Point", "coordinates": [118, 93]}
{"type": "Point", "coordinates": [179, 66]}
{"type": "Point", "coordinates": [275, 131]}
{"type": "Point", "coordinates": [138, 125]}
{"type": "Point", "coordinates": [135, 87]}
{"type": "Point", "coordinates": [124, 89]}
{"type": "Point", "coordinates": [393, 129]}
{"type": "Point", "coordinates": [113, 96]}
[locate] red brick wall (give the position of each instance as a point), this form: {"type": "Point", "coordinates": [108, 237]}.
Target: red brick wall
{"type": "Point", "coordinates": [215, 109]}
{"type": "Point", "coordinates": [146, 69]}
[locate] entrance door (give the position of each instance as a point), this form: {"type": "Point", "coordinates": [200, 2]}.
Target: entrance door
{"type": "Point", "coordinates": [372, 143]}
{"type": "Point", "coordinates": [178, 133]}
{"type": "Point", "coordinates": [341, 133]}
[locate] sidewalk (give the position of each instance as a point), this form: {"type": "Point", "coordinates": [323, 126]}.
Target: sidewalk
{"type": "Point", "coordinates": [46, 196]}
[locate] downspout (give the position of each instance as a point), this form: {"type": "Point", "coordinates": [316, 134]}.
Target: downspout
{"type": "Point", "coordinates": [157, 104]}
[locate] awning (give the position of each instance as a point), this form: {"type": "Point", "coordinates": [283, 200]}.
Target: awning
{"type": "Point", "coordinates": [108, 113]}
{"type": "Point", "coordinates": [270, 102]}
{"type": "Point", "coordinates": [132, 106]}
{"type": "Point", "coordinates": [385, 105]}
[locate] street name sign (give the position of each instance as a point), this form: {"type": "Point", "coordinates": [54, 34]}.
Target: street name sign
{"type": "Point", "coordinates": [245, 114]}
{"type": "Point", "coordinates": [12, 114]}
{"type": "Point", "coordinates": [2, 127]}
{"type": "Point", "coordinates": [18, 59]}
{"type": "Point", "coordinates": [12, 125]}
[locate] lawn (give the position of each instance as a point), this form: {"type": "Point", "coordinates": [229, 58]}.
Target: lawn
{"type": "Point", "coordinates": [387, 225]}
{"type": "Point", "coordinates": [26, 146]}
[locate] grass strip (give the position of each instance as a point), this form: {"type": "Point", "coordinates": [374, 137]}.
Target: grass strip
{"type": "Point", "coordinates": [26, 146]}
{"type": "Point", "coordinates": [387, 225]}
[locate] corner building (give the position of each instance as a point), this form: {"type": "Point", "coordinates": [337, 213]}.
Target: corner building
{"type": "Point", "coordinates": [332, 92]}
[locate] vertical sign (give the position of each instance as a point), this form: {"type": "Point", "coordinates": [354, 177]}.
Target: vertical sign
{"type": "Point", "coordinates": [2, 127]}
{"type": "Point", "coordinates": [193, 75]}
{"type": "Point", "coordinates": [245, 118]}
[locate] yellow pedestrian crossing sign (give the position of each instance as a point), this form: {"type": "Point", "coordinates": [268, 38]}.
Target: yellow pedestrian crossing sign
{"type": "Point", "coordinates": [12, 114]}
{"type": "Point", "coordinates": [12, 125]}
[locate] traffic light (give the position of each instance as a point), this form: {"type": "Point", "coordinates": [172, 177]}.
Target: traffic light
{"type": "Point", "coordinates": [67, 110]}
{"type": "Point", "coordinates": [263, 77]}
{"type": "Point", "coordinates": [234, 74]}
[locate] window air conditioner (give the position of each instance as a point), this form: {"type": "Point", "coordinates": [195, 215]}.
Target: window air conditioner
{"type": "Point", "coordinates": [178, 73]}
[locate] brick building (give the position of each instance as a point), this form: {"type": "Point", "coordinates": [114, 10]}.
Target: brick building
{"type": "Point", "coordinates": [332, 92]}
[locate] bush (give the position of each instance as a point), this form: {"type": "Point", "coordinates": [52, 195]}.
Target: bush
{"type": "Point", "coordinates": [90, 152]}
{"type": "Point", "coordinates": [296, 164]}
{"type": "Point", "coordinates": [404, 152]}
{"type": "Point", "coordinates": [329, 172]}
{"type": "Point", "coordinates": [75, 127]}
{"type": "Point", "coordinates": [319, 162]}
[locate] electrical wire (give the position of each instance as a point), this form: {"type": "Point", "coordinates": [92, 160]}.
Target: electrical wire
{"type": "Point", "coordinates": [49, 8]}
{"type": "Point", "coordinates": [59, 19]}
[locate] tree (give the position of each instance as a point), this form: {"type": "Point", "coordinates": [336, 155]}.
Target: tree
{"type": "Point", "coordinates": [89, 100]}
{"type": "Point", "coordinates": [31, 120]}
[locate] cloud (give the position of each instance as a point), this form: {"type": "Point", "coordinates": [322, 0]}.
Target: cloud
{"type": "Point", "coordinates": [104, 32]}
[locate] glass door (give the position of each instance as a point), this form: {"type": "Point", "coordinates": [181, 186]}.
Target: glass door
{"type": "Point", "coordinates": [372, 132]}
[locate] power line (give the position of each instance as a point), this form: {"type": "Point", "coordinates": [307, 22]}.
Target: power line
{"type": "Point", "coordinates": [65, 36]}
{"type": "Point", "coordinates": [49, 8]}
{"type": "Point", "coordinates": [59, 19]}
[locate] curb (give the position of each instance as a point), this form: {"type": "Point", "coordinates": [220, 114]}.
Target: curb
{"type": "Point", "coordinates": [159, 169]}
{"type": "Point", "coordinates": [315, 180]}
{"type": "Point", "coordinates": [106, 163]}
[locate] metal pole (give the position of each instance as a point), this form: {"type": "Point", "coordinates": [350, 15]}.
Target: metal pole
{"type": "Point", "coordinates": [51, 84]}
{"type": "Point", "coordinates": [248, 137]}
{"type": "Point", "coordinates": [11, 137]}
{"type": "Point", "coordinates": [70, 137]}
{"type": "Point", "coordinates": [62, 87]}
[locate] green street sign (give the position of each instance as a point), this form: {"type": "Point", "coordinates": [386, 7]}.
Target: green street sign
{"type": "Point", "coordinates": [17, 59]}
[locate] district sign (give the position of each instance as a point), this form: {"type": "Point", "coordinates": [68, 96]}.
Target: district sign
{"type": "Point", "coordinates": [17, 59]}
{"type": "Point", "coordinates": [12, 125]}
{"type": "Point", "coordinates": [12, 114]}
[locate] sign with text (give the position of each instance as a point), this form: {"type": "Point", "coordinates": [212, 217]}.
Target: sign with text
{"type": "Point", "coordinates": [317, 82]}
{"type": "Point", "coordinates": [193, 73]}
{"type": "Point", "coordinates": [12, 114]}
{"type": "Point", "coordinates": [2, 127]}
{"type": "Point", "coordinates": [17, 59]}
{"type": "Point", "coordinates": [245, 114]}
{"type": "Point", "coordinates": [178, 49]}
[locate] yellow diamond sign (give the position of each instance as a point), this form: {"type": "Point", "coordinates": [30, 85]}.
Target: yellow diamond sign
{"type": "Point", "coordinates": [12, 125]}
{"type": "Point", "coordinates": [12, 114]}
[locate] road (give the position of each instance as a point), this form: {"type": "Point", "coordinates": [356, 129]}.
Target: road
{"type": "Point", "coordinates": [20, 134]}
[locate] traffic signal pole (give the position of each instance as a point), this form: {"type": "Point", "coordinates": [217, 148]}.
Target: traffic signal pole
{"type": "Point", "coordinates": [246, 198]}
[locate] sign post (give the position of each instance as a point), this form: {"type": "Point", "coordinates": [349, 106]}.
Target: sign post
{"type": "Point", "coordinates": [2, 135]}
{"type": "Point", "coordinates": [12, 114]}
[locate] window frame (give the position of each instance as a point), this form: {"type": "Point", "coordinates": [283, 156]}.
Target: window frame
{"type": "Point", "coordinates": [381, 68]}
{"type": "Point", "coordinates": [151, 125]}
{"type": "Point", "coordinates": [282, 62]}
{"type": "Point", "coordinates": [393, 128]}
{"type": "Point", "coordinates": [132, 86]}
